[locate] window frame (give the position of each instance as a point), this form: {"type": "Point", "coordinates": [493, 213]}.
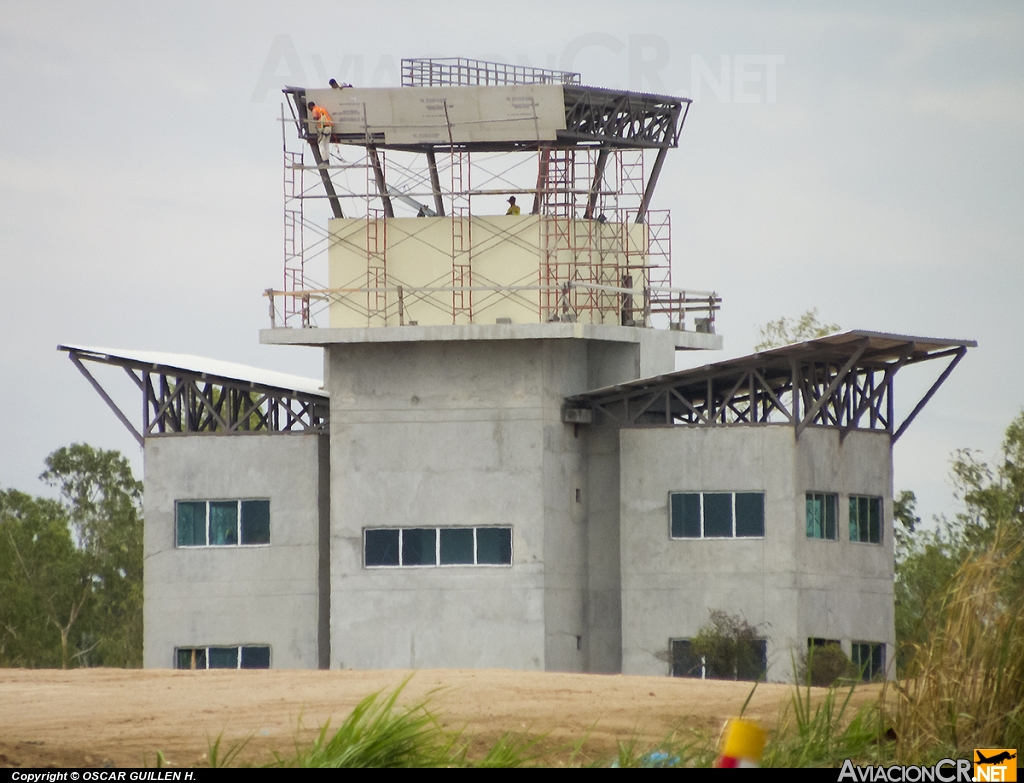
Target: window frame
{"type": "Point", "coordinates": [437, 547]}
{"type": "Point", "coordinates": [239, 654]}
{"type": "Point", "coordinates": [879, 505]}
{"type": "Point", "coordinates": [868, 672]}
{"type": "Point", "coordinates": [826, 497]}
{"type": "Point", "coordinates": [704, 671]}
{"type": "Point", "coordinates": [733, 495]}
{"type": "Point", "coordinates": [208, 520]}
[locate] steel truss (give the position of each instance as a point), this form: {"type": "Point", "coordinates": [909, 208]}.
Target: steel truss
{"type": "Point", "coordinates": [842, 381]}
{"type": "Point", "coordinates": [178, 401]}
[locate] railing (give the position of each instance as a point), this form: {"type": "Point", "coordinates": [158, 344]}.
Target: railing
{"type": "Point", "coordinates": [444, 71]}
{"type": "Point", "coordinates": [638, 305]}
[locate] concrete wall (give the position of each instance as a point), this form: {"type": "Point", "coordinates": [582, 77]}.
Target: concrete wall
{"type": "Point", "coordinates": [452, 434]}
{"type": "Point", "coordinates": [466, 433]}
{"type": "Point", "coordinates": [232, 595]}
{"type": "Point", "coordinates": [793, 587]}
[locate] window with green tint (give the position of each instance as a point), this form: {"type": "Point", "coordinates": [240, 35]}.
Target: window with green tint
{"type": "Point", "coordinates": [494, 545]}
{"type": "Point", "coordinates": [223, 522]}
{"type": "Point", "coordinates": [869, 657]}
{"type": "Point", "coordinates": [457, 546]}
{"type": "Point", "coordinates": [380, 548]}
{"type": "Point", "coordinates": [418, 546]}
{"type": "Point", "coordinates": [191, 523]}
{"type": "Point", "coordinates": [254, 657]}
{"type": "Point", "coordinates": [751, 661]}
{"type": "Point", "coordinates": [255, 522]}
{"type": "Point", "coordinates": [685, 514]}
{"type": "Point", "coordinates": [223, 657]}
{"type": "Point", "coordinates": [191, 658]}
{"type": "Point", "coordinates": [866, 519]}
{"type": "Point", "coordinates": [749, 515]}
{"type": "Point", "coordinates": [821, 515]}
{"type": "Point", "coordinates": [219, 522]}
{"type": "Point", "coordinates": [717, 515]}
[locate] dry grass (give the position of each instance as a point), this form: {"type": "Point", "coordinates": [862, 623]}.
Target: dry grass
{"type": "Point", "coordinates": [966, 687]}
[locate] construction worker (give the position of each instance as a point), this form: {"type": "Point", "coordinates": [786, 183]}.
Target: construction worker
{"type": "Point", "coordinates": [335, 86]}
{"type": "Point", "coordinates": [512, 208]}
{"type": "Point", "coordinates": [324, 127]}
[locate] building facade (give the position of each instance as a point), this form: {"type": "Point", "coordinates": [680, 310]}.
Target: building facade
{"type": "Point", "coordinates": [501, 466]}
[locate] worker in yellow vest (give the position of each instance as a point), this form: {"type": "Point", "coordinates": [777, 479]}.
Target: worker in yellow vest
{"type": "Point", "coordinates": [512, 209]}
{"type": "Point", "coordinates": [321, 121]}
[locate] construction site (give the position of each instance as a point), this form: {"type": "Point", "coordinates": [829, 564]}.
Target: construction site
{"type": "Point", "coordinates": [502, 466]}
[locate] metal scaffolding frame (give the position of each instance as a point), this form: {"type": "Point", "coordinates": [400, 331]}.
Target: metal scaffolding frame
{"type": "Point", "coordinates": [602, 252]}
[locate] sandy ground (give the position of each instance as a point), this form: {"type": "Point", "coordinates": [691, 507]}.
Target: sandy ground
{"type": "Point", "coordinates": [103, 717]}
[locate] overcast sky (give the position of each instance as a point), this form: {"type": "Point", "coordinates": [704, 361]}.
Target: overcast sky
{"type": "Point", "coordinates": [865, 161]}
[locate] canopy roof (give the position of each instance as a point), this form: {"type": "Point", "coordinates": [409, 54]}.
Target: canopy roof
{"type": "Point", "coordinates": [843, 380]}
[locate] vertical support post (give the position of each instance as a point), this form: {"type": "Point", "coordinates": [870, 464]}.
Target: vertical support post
{"type": "Point", "coordinates": [595, 186]}
{"type": "Point", "coordinates": [652, 182]}
{"type": "Point", "coordinates": [382, 188]}
{"type": "Point", "coordinates": [542, 178]}
{"type": "Point", "coordinates": [435, 182]}
{"type": "Point", "coordinates": [273, 317]}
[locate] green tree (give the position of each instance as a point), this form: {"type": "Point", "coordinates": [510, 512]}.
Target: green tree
{"type": "Point", "coordinates": [103, 503]}
{"type": "Point", "coordinates": [927, 560]}
{"type": "Point", "coordinates": [45, 584]}
{"type": "Point", "coordinates": [71, 569]}
{"type": "Point", "coordinates": [730, 646]}
{"type": "Point", "coordinates": [775, 334]}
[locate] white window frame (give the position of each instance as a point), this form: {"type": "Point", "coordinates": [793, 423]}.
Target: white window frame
{"type": "Point", "coordinates": [238, 516]}
{"type": "Point", "coordinates": [207, 648]}
{"type": "Point", "coordinates": [733, 493]}
{"type": "Point", "coordinates": [437, 547]}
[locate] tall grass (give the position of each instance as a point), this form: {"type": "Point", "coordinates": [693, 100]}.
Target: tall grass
{"type": "Point", "coordinates": [379, 733]}
{"type": "Point", "coordinates": [965, 687]}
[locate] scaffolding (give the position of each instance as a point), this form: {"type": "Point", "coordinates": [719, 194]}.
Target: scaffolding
{"type": "Point", "coordinates": [600, 254]}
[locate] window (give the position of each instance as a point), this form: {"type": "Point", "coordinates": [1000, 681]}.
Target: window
{"type": "Point", "coordinates": [821, 515]}
{"type": "Point", "coordinates": [717, 514]}
{"type": "Point", "coordinates": [751, 666]}
{"type": "Point", "coordinates": [222, 522]}
{"type": "Point", "coordinates": [869, 657]}
{"type": "Point", "coordinates": [866, 519]}
{"type": "Point", "coordinates": [814, 642]}
{"type": "Point", "coordinates": [433, 546]}
{"type": "Point", "coordinates": [243, 657]}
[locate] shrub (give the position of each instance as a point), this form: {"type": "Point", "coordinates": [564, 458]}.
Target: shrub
{"type": "Point", "coordinates": [823, 665]}
{"type": "Point", "coordinates": [731, 647]}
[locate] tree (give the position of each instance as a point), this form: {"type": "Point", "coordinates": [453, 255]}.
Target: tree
{"type": "Point", "coordinates": [775, 334]}
{"type": "Point", "coordinates": [927, 560]}
{"type": "Point", "coordinates": [103, 503]}
{"type": "Point", "coordinates": [731, 648]}
{"type": "Point", "coordinates": [71, 569]}
{"type": "Point", "coordinates": [45, 586]}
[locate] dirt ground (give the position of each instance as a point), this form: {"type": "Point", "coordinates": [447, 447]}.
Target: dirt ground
{"type": "Point", "coordinates": [104, 717]}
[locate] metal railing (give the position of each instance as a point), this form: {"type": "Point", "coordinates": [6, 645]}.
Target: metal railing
{"type": "Point", "coordinates": [637, 307]}
{"type": "Point", "coordinates": [460, 71]}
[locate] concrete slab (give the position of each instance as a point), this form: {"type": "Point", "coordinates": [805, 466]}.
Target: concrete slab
{"type": "Point", "coordinates": [681, 341]}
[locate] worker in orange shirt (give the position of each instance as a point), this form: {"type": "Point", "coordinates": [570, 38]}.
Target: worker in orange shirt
{"type": "Point", "coordinates": [321, 121]}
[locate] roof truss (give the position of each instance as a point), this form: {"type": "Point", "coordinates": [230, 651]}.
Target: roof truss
{"type": "Point", "coordinates": [844, 382]}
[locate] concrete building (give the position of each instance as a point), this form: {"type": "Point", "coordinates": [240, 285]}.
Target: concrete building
{"type": "Point", "coordinates": [502, 467]}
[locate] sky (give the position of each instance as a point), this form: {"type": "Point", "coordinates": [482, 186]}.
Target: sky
{"type": "Point", "coordinates": [862, 159]}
